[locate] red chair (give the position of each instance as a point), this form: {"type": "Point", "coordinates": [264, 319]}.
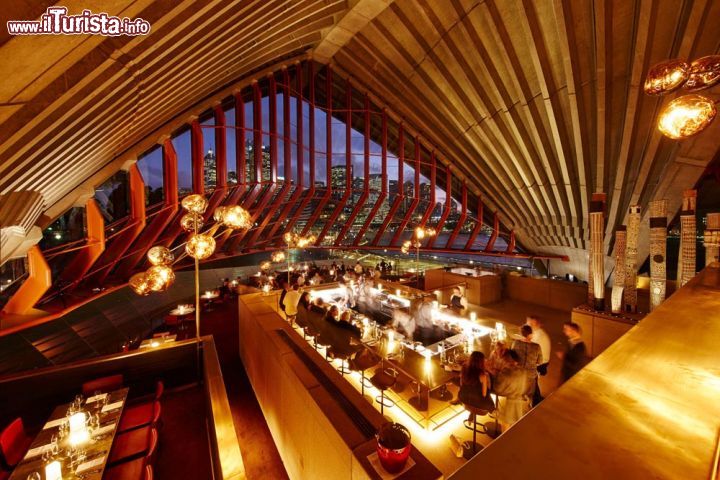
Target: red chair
{"type": "Point", "coordinates": [14, 442]}
{"type": "Point", "coordinates": [140, 415]}
{"type": "Point", "coordinates": [131, 445]}
{"type": "Point", "coordinates": [104, 384]}
{"type": "Point", "coordinates": [137, 469]}
{"type": "Point", "coordinates": [5, 475]}
{"type": "Point", "coordinates": [171, 320]}
{"type": "Point", "coordinates": [159, 389]}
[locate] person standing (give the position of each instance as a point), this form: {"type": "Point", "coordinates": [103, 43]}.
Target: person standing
{"type": "Point", "coordinates": [575, 356]}
{"type": "Point", "coordinates": [539, 336]}
{"type": "Point", "coordinates": [292, 298]}
{"type": "Point", "coordinates": [510, 386]}
{"type": "Point", "coordinates": [530, 357]}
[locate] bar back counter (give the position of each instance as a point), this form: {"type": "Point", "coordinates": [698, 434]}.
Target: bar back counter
{"type": "Point", "coordinates": [322, 426]}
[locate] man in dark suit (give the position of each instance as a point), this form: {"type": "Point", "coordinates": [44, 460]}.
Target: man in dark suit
{"type": "Point", "coordinates": [575, 356]}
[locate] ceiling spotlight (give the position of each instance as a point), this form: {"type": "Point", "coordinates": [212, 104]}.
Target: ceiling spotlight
{"type": "Point", "coordinates": [686, 116]}
{"type": "Point", "coordinates": [666, 76]}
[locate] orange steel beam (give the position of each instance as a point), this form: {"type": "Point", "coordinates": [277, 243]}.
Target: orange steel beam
{"type": "Point", "coordinates": [220, 191]}
{"type": "Point", "coordinates": [478, 225]}
{"type": "Point", "coordinates": [383, 187]}
{"type": "Point", "coordinates": [311, 147]}
{"type": "Point", "coordinates": [161, 220]}
{"type": "Point", "coordinates": [348, 168]}
{"type": "Point", "coordinates": [287, 156]}
{"type": "Point", "coordinates": [94, 246]}
{"type": "Point", "coordinates": [122, 242]}
{"type": "Point", "coordinates": [415, 198]}
{"type": "Point", "coordinates": [366, 175]}
{"type": "Point", "coordinates": [328, 150]}
{"type": "Point", "coordinates": [33, 288]}
{"type": "Point", "coordinates": [446, 211]}
{"type": "Point", "coordinates": [496, 228]}
{"type": "Point", "coordinates": [511, 242]}
{"type": "Point", "coordinates": [399, 196]}
{"type": "Point", "coordinates": [461, 220]}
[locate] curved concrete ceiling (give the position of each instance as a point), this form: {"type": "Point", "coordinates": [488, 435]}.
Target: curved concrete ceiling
{"type": "Point", "coordinates": [538, 102]}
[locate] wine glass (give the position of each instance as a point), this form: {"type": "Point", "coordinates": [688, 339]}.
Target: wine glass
{"type": "Point", "coordinates": [34, 476]}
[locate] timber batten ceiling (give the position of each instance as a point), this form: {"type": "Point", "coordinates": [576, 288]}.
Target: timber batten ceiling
{"type": "Point", "coordinates": [537, 103]}
{"type": "Point", "coordinates": [540, 102]}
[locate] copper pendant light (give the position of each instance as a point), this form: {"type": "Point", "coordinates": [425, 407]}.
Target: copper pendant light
{"type": "Point", "coordinates": [666, 76]}
{"type": "Point", "coordinates": [686, 116]}
{"type": "Point", "coordinates": [704, 72]}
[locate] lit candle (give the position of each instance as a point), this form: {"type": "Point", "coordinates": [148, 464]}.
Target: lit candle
{"type": "Point", "coordinates": [78, 428]}
{"type": "Point", "coordinates": [155, 344]}
{"type": "Point", "coordinates": [53, 471]}
{"type": "Point", "coordinates": [397, 292]}
{"type": "Point", "coordinates": [473, 316]}
{"type": "Point", "coordinates": [391, 336]}
{"type": "Point", "coordinates": [380, 286]}
{"type": "Point", "coordinates": [428, 360]}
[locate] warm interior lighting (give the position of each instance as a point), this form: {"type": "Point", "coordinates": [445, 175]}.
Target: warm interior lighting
{"type": "Point", "coordinates": [53, 471]}
{"type": "Point", "coordinates": [159, 277]}
{"type": "Point", "coordinates": [139, 284]}
{"type": "Point", "coordinates": [78, 429]}
{"type": "Point", "coordinates": [686, 116]}
{"type": "Point", "coordinates": [195, 203]}
{"type": "Point", "coordinates": [160, 255]}
{"type": "Point", "coordinates": [666, 76]}
{"type": "Point", "coordinates": [200, 246]}
{"type": "Point", "coordinates": [191, 222]}
{"type": "Point", "coordinates": [236, 217]}
{"type": "Point", "coordinates": [219, 214]}
{"type": "Point", "coordinates": [265, 266]}
{"type": "Point", "coordinates": [278, 256]}
{"type": "Point", "coordinates": [419, 233]}
{"type": "Point", "coordinates": [704, 72]}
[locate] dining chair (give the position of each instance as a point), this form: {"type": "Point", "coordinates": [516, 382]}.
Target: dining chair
{"type": "Point", "coordinates": [138, 468]}
{"type": "Point", "coordinates": [156, 396]}
{"type": "Point", "coordinates": [132, 445]}
{"type": "Point", "coordinates": [103, 384]}
{"type": "Point", "coordinates": [14, 443]}
{"type": "Point", "coordinates": [140, 415]}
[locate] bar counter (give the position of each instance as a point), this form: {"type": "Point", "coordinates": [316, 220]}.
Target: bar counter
{"type": "Point", "coordinates": [321, 424]}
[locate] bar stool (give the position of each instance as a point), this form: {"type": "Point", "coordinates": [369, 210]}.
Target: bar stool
{"type": "Point", "coordinates": [471, 448]}
{"type": "Point", "coordinates": [343, 355]}
{"type": "Point", "coordinates": [383, 379]}
{"type": "Point", "coordinates": [361, 362]}
{"type": "Point", "coordinates": [323, 341]}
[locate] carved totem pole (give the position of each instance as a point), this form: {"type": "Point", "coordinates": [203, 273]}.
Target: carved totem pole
{"type": "Point", "coordinates": [688, 238]}
{"type": "Point", "coordinates": [658, 247]}
{"type": "Point", "coordinates": [633, 229]}
{"type": "Point", "coordinates": [619, 278]}
{"type": "Point", "coordinates": [596, 265]}
{"type": "Point", "coordinates": [712, 238]}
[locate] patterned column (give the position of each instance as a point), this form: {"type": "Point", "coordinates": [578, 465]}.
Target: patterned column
{"type": "Point", "coordinates": [712, 238]}
{"type": "Point", "coordinates": [630, 290]}
{"type": "Point", "coordinates": [619, 278]}
{"type": "Point", "coordinates": [688, 238]}
{"type": "Point", "coordinates": [658, 246]}
{"type": "Point", "coordinates": [596, 267]}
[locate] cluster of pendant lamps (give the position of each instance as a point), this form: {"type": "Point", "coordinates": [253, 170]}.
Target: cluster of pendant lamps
{"type": "Point", "coordinates": [199, 246]}
{"type": "Point", "coordinates": [692, 113]}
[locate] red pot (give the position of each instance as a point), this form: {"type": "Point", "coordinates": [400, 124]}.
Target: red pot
{"type": "Point", "coordinates": [393, 446]}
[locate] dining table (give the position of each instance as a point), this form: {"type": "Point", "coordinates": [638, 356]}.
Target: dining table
{"type": "Point", "coordinates": [91, 463]}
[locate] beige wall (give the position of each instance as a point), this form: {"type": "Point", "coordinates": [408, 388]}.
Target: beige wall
{"type": "Point", "coordinates": [478, 290]}
{"type": "Point", "coordinates": [599, 331]}
{"type": "Point", "coordinates": [555, 294]}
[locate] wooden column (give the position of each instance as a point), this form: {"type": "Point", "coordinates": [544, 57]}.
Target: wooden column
{"type": "Point", "coordinates": [688, 238]}
{"type": "Point", "coordinates": [596, 267]}
{"type": "Point", "coordinates": [619, 277]}
{"type": "Point", "coordinates": [712, 238]}
{"type": "Point", "coordinates": [658, 247]}
{"type": "Point", "coordinates": [633, 229]}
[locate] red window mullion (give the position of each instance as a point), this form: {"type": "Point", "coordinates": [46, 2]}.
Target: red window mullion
{"type": "Point", "coordinates": [446, 211]}
{"type": "Point", "coordinates": [461, 220]}
{"type": "Point", "coordinates": [496, 228]}
{"type": "Point", "coordinates": [415, 199]}
{"type": "Point", "coordinates": [478, 225]}
{"type": "Point", "coordinates": [399, 197]}
{"type": "Point", "coordinates": [383, 187]}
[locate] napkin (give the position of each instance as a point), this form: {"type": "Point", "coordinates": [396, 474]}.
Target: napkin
{"type": "Point", "coordinates": [54, 423]}
{"type": "Point", "coordinates": [112, 406]}
{"type": "Point", "coordinates": [96, 398]}
{"type": "Point", "coordinates": [38, 451]}
{"type": "Point", "coordinates": [94, 463]}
